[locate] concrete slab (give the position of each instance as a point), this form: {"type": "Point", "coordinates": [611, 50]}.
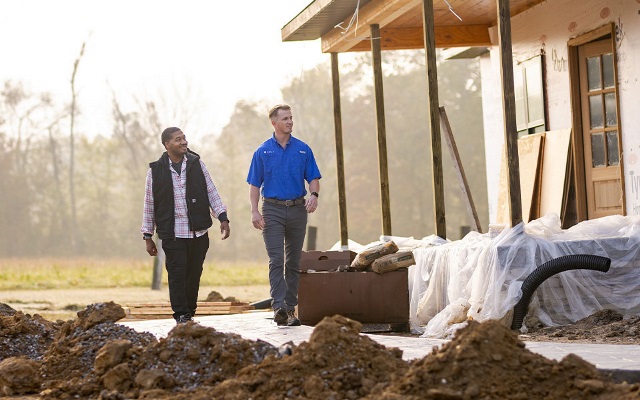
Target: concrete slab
{"type": "Point", "coordinates": [259, 324]}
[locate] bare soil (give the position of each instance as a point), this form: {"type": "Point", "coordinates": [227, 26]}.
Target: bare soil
{"type": "Point", "coordinates": [93, 357]}
{"type": "Point", "coordinates": [605, 327]}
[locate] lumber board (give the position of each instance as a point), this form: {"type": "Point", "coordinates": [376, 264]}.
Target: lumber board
{"type": "Point", "coordinates": [200, 304]}
{"type": "Point", "coordinates": [555, 157]}
{"type": "Point", "coordinates": [161, 310]}
{"type": "Point", "coordinates": [529, 152]}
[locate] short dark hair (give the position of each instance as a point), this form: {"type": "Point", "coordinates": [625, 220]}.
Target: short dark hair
{"type": "Point", "coordinates": [274, 110]}
{"type": "Point", "coordinates": [166, 134]}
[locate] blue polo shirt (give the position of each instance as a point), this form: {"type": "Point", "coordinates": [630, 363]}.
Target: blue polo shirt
{"type": "Point", "coordinates": [281, 172]}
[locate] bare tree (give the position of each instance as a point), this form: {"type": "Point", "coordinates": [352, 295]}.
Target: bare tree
{"type": "Point", "coordinates": [72, 190]}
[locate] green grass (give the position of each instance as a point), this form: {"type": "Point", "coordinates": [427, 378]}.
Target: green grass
{"type": "Point", "coordinates": [49, 273]}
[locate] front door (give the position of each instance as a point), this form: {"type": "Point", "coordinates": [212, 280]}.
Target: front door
{"type": "Point", "coordinates": [600, 129]}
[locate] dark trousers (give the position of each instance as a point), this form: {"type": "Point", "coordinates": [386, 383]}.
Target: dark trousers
{"type": "Point", "coordinates": [283, 234]}
{"type": "Point", "coordinates": [184, 269]}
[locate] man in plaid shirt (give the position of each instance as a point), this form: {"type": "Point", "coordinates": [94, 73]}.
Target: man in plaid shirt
{"type": "Point", "coordinates": [179, 200]}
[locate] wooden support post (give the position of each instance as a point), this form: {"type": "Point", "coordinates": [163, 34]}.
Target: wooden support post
{"type": "Point", "coordinates": [434, 119]}
{"type": "Point", "coordinates": [158, 265]}
{"type": "Point", "coordinates": [312, 235]}
{"type": "Point", "coordinates": [457, 165]}
{"type": "Point", "coordinates": [509, 111]}
{"type": "Point", "coordinates": [382, 130]}
{"type": "Point", "coordinates": [337, 123]}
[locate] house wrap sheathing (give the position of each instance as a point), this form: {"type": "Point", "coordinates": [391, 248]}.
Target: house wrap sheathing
{"type": "Point", "coordinates": [547, 29]}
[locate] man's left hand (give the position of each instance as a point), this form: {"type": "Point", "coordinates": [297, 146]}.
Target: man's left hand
{"type": "Point", "coordinates": [311, 204]}
{"type": "Point", "coordinates": [225, 230]}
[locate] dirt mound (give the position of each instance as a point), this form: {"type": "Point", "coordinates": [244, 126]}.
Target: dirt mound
{"type": "Point", "coordinates": [337, 362]}
{"type": "Point", "coordinates": [193, 356]}
{"type": "Point", "coordinates": [604, 326]}
{"type": "Point", "coordinates": [93, 357]}
{"type": "Point", "coordinates": [24, 335]}
{"type": "Point", "coordinates": [68, 364]}
{"type": "Point", "coordinates": [488, 361]}
{"type": "Point", "coordinates": [216, 296]}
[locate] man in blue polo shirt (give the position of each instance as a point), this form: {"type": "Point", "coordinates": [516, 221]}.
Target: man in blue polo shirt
{"type": "Point", "coordinates": [278, 169]}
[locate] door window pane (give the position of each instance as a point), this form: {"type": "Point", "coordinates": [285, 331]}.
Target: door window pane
{"type": "Point", "coordinates": [610, 109]}
{"type": "Point", "coordinates": [597, 149]}
{"type": "Point", "coordinates": [593, 73]}
{"type": "Point", "coordinates": [595, 111]}
{"type": "Point", "coordinates": [613, 154]}
{"type": "Point", "coordinates": [607, 70]}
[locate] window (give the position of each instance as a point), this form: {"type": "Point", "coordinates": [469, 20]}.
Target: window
{"type": "Point", "coordinates": [529, 96]}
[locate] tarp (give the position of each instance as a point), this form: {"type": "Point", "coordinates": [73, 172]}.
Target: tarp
{"type": "Point", "coordinates": [480, 276]}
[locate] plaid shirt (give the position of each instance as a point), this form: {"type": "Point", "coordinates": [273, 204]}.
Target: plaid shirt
{"type": "Point", "coordinates": [179, 197]}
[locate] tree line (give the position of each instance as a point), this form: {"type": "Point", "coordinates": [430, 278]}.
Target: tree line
{"type": "Point", "coordinates": [65, 194]}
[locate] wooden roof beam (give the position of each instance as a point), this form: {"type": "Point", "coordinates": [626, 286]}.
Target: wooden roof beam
{"type": "Point", "coordinates": [380, 12]}
{"type": "Point", "coordinates": [413, 38]}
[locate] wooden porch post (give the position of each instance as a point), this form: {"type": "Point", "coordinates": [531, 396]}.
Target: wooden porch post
{"type": "Point", "coordinates": [509, 111]}
{"type": "Point", "coordinates": [434, 118]}
{"type": "Point", "coordinates": [337, 123]}
{"type": "Point", "coordinates": [382, 130]}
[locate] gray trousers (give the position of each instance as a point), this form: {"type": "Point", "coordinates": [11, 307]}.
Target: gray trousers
{"type": "Point", "coordinates": [283, 234]}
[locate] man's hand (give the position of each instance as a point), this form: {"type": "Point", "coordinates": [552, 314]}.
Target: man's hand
{"type": "Point", "coordinates": [257, 220]}
{"type": "Point", "coordinates": [311, 204]}
{"type": "Point", "coordinates": [151, 247]}
{"type": "Point", "coordinates": [225, 229]}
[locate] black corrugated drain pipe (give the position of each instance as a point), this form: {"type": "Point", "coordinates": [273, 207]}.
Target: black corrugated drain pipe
{"type": "Point", "coordinates": [548, 269]}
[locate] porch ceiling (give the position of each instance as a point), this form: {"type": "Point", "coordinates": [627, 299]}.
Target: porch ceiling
{"type": "Point", "coordinates": [400, 23]}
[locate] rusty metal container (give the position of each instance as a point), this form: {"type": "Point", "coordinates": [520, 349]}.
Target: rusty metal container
{"type": "Point", "coordinates": [367, 297]}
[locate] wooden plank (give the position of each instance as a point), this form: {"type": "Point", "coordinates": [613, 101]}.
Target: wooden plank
{"type": "Point", "coordinates": [161, 310]}
{"type": "Point", "coordinates": [168, 311]}
{"type": "Point", "coordinates": [434, 119]}
{"type": "Point", "coordinates": [555, 159]}
{"type": "Point", "coordinates": [337, 124]}
{"type": "Point", "coordinates": [199, 303]}
{"type": "Point", "coordinates": [457, 165]}
{"type": "Point", "coordinates": [445, 37]}
{"type": "Point", "coordinates": [204, 308]}
{"type": "Point", "coordinates": [509, 111]}
{"type": "Point", "coordinates": [385, 198]}
{"type": "Point", "coordinates": [530, 152]}
{"type": "Point", "coordinates": [502, 209]}
{"type": "Point", "coordinates": [305, 16]}
{"type": "Point", "coordinates": [376, 12]}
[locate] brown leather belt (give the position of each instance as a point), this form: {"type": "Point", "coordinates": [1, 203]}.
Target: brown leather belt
{"type": "Point", "coordinates": [287, 203]}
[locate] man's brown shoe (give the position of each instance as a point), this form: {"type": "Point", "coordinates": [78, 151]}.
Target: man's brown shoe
{"type": "Point", "coordinates": [291, 318]}
{"type": "Point", "coordinates": [280, 317]}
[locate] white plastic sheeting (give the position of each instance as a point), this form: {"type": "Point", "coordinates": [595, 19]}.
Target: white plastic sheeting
{"type": "Point", "coordinates": [480, 277]}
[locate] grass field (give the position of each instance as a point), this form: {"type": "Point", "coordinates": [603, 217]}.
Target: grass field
{"type": "Point", "coordinates": [51, 273]}
{"type": "Point", "coordinates": [58, 288]}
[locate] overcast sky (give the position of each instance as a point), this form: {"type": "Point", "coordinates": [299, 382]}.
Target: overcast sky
{"type": "Point", "coordinates": [223, 50]}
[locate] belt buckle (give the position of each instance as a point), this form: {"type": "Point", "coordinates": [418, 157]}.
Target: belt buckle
{"type": "Point", "coordinates": [288, 203]}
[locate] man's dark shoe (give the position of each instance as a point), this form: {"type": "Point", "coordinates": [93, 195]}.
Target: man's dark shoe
{"type": "Point", "coordinates": [291, 318]}
{"type": "Point", "coordinates": [280, 316]}
{"type": "Point", "coordinates": [183, 319]}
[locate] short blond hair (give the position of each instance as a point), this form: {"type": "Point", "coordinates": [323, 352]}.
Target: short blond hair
{"type": "Point", "coordinates": [274, 110]}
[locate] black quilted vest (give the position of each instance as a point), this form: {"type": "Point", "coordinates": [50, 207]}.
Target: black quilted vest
{"type": "Point", "coordinates": [197, 198]}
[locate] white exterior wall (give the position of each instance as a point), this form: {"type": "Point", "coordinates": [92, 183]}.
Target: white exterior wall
{"type": "Point", "coordinates": [546, 28]}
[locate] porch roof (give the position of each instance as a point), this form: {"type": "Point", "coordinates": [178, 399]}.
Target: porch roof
{"type": "Point", "coordinates": [457, 23]}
